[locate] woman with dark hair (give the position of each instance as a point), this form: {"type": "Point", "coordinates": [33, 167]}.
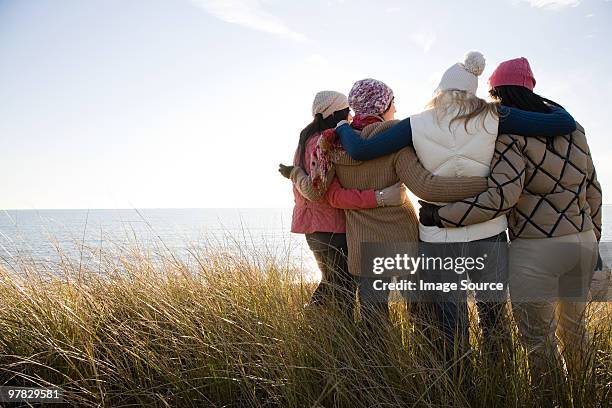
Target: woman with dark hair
{"type": "Point", "coordinates": [549, 191]}
{"type": "Point", "coordinates": [322, 220]}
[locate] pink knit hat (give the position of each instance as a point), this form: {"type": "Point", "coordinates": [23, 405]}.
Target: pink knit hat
{"type": "Point", "coordinates": [513, 72]}
{"type": "Point", "coordinates": [370, 97]}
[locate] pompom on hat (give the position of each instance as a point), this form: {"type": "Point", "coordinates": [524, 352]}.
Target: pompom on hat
{"type": "Point", "coordinates": [328, 102]}
{"type": "Point", "coordinates": [464, 76]}
{"type": "Point", "coordinates": [370, 97]}
{"type": "Point", "coordinates": [513, 72]}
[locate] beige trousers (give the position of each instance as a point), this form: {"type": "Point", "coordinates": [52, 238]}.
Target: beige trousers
{"type": "Point", "coordinates": [549, 282]}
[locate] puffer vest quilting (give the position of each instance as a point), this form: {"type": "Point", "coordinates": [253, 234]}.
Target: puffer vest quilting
{"type": "Point", "coordinates": [456, 150]}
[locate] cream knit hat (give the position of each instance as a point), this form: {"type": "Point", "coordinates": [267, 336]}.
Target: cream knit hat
{"type": "Point", "coordinates": [328, 102]}
{"type": "Point", "coordinates": [464, 76]}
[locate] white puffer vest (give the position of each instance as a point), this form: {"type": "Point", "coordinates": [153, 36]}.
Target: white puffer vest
{"type": "Point", "coordinates": [456, 153]}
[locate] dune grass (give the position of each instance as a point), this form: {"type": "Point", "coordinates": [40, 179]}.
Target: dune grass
{"type": "Point", "coordinates": [231, 331]}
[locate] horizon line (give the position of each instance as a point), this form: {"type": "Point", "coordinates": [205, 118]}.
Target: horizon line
{"type": "Point", "coordinates": [158, 208]}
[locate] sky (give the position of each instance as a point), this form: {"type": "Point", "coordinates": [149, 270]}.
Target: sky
{"type": "Point", "coordinates": [193, 103]}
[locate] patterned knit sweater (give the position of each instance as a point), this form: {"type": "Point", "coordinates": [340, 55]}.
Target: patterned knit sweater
{"type": "Point", "coordinates": [390, 224]}
{"type": "Point", "coordinates": [545, 192]}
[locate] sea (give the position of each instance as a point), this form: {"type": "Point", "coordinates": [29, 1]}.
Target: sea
{"type": "Point", "coordinates": [49, 236]}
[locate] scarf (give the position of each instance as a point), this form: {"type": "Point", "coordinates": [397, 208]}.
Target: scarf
{"type": "Point", "coordinates": [329, 148]}
{"type": "Point", "coordinates": [361, 121]}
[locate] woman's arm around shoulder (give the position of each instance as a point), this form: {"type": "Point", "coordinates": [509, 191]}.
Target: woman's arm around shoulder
{"type": "Point", "coordinates": [384, 143]}
{"type": "Point", "coordinates": [430, 187]}
{"type": "Point", "coordinates": [505, 185]}
{"type": "Point", "coordinates": [532, 124]}
{"type": "Point", "coordinates": [349, 199]}
{"type": "Point", "coordinates": [304, 185]}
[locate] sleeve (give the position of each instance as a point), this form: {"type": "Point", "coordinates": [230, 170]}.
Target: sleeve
{"type": "Point", "coordinates": [533, 124]}
{"type": "Point", "coordinates": [349, 199]}
{"type": "Point", "coordinates": [336, 195]}
{"type": "Point", "coordinates": [434, 188]}
{"type": "Point", "coordinates": [594, 196]}
{"type": "Point", "coordinates": [387, 142]}
{"type": "Point", "coordinates": [303, 184]}
{"type": "Point", "coordinates": [505, 185]}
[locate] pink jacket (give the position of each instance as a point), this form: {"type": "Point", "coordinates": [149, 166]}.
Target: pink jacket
{"type": "Point", "coordinates": [327, 214]}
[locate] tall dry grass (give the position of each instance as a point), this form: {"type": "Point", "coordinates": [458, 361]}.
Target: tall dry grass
{"type": "Point", "coordinates": [221, 330]}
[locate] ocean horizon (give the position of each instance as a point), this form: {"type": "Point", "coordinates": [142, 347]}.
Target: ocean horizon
{"type": "Point", "coordinates": [86, 234]}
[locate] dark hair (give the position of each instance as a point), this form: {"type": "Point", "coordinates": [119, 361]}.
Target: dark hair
{"type": "Point", "coordinates": [389, 105]}
{"type": "Point", "coordinates": [522, 98]}
{"type": "Point", "coordinates": [319, 124]}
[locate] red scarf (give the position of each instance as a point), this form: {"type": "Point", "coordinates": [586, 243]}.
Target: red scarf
{"type": "Point", "coordinates": [329, 146]}
{"type": "Point", "coordinates": [361, 121]}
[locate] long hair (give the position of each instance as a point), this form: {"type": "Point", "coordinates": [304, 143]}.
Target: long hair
{"type": "Point", "coordinates": [522, 98]}
{"type": "Point", "coordinates": [468, 106]}
{"type": "Point", "coordinates": [319, 124]}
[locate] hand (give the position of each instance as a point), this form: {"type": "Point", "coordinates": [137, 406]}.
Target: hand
{"type": "Point", "coordinates": [391, 196]}
{"type": "Point", "coordinates": [428, 214]}
{"type": "Point", "coordinates": [285, 170]}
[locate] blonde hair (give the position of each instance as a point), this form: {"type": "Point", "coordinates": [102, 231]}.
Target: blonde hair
{"type": "Point", "coordinates": [468, 105]}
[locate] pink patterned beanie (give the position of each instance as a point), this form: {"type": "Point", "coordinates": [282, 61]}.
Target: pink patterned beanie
{"type": "Point", "coordinates": [370, 97]}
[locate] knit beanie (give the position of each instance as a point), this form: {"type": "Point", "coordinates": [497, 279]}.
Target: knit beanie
{"type": "Point", "coordinates": [464, 76]}
{"type": "Point", "coordinates": [328, 102]}
{"type": "Point", "coordinates": [370, 97]}
{"type": "Point", "coordinates": [513, 72]}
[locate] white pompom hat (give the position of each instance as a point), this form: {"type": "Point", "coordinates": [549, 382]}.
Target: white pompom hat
{"type": "Point", "coordinates": [464, 76]}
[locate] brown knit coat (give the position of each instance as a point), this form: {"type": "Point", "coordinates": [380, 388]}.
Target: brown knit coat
{"type": "Point", "coordinates": [390, 224]}
{"type": "Point", "coordinates": [546, 193]}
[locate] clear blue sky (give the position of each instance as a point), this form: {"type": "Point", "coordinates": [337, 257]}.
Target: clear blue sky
{"type": "Point", "coordinates": [192, 103]}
